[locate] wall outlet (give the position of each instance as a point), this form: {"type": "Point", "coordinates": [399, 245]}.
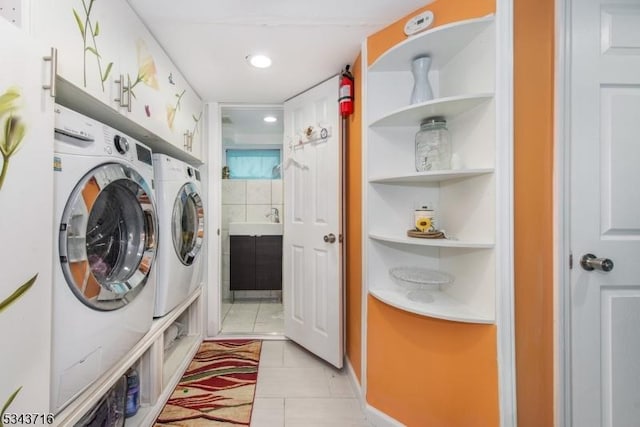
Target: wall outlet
{"type": "Point", "coordinates": [11, 10]}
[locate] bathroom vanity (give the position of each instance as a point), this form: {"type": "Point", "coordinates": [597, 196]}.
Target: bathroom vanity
{"type": "Point", "coordinates": [256, 256]}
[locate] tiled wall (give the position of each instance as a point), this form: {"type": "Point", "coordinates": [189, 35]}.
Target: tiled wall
{"type": "Point", "coordinates": [246, 201]}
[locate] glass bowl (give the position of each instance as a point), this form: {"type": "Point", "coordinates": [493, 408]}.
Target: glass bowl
{"type": "Point", "coordinates": [418, 278]}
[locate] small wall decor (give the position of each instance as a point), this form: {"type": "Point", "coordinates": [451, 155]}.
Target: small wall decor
{"type": "Point", "coordinates": [172, 109]}
{"type": "Point", "coordinates": [89, 32]}
{"type": "Point", "coordinates": [12, 129]}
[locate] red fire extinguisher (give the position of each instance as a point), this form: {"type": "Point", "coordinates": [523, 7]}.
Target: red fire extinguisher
{"type": "Point", "coordinates": [346, 92]}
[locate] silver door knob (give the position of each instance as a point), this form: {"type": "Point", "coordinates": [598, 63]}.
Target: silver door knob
{"type": "Point", "coordinates": [330, 238]}
{"type": "Point", "coordinates": [590, 262]}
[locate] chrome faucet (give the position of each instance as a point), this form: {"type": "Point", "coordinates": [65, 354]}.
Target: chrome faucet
{"type": "Point", "coordinates": [274, 215]}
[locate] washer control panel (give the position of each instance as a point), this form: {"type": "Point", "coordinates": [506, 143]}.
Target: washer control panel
{"type": "Point", "coordinates": [121, 144]}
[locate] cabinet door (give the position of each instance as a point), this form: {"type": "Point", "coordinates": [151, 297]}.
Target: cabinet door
{"type": "Point", "coordinates": [86, 34]}
{"type": "Point", "coordinates": [26, 224]}
{"type": "Point", "coordinates": [192, 115]}
{"type": "Point", "coordinates": [268, 269]}
{"type": "Point", "coordinates": [242, 265]}
{"type": "Point", "coordinates": [143, 65]}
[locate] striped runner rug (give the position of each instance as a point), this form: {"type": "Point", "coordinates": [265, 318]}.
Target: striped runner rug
{"type": "Point", "coordinates": [218, 387]}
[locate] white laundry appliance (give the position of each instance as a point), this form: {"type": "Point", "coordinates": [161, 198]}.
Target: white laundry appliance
{"type": "Point", "coordinates": [106, 224]}
{"type": "Point", "coordinates": [181, 225]}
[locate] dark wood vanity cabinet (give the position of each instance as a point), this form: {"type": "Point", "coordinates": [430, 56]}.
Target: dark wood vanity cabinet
{"type": "Point", "coordinates": [256, 263]}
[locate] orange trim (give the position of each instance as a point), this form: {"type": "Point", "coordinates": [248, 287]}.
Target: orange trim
{"type": "Point", "coordinates": [533, 164]}
{"type": "Point", "coordinates": [354, 226]}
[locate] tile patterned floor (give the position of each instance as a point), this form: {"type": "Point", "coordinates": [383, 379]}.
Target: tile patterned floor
{"type": "Point", "coordinates": [264, 317]}
{"type": "Point", "coordinates": [297, 389]}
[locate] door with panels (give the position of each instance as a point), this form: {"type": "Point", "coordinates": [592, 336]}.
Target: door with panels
{"type": "Point", "coordinates": [605, 213]}
{"type": "Point", "coordinates": [312, 287]}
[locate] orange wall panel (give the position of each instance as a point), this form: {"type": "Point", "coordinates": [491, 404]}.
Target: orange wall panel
{"type": "Point", "coordinates": [353, 265]}
{"type": "Point", "coordinates": [533, 165]}
{"type": "Point", "coordinates": [431, 372]}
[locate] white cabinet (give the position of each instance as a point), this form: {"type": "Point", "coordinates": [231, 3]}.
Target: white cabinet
{"type": "Point", "coordinates": [85, 32]}
{"type": "Point", "coordinates": [465, 198]}
{"type": "Point", "coordinates": [105, 51]}
{"type": "Point", "coordinates": [26, 203]}
{"type": "Point", "coordinates": [161, 357]}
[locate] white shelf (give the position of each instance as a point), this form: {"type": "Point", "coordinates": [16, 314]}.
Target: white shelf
{"type": "Point", "coordinates": [443, 306]}
{"type": "Point", "coordinates": [434, 176]}
{"type": "Point", "coordinates": [447, 107]}
{"type": "Point", "coordinates": [442, 243]}
{"type": "Point", "coordinates": [441, 44]}
{"type": "Point", "coordinates": [176, 356]}
{"type": "Point", "coordinates": [75, 98]}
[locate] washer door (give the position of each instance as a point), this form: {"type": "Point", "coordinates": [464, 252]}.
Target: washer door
{"type": "Point", "coordinates": [108, 237]}
{"type": "Point", "coordinates": [187, 223]}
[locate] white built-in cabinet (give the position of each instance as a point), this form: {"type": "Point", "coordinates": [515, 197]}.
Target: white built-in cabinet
{"type": "Point", "coordinates": [106, 51]}
{"type": "Point", "coordinates": [465, 198]}
{"type": "Point", "coordinates": [26, 203]}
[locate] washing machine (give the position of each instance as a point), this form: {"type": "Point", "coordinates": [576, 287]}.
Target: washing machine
{"type": "Point", "coordinates": [181, 225]}
{"type": "Point", "coordinates": [106, 228]}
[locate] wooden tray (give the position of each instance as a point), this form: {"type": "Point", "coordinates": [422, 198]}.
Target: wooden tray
{"type": "Point", "coordinates": [426, 234]}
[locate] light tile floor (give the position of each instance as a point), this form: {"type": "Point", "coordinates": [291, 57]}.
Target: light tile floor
{"type": "Point", "coordinates": [297, 389]}
{"type": "Point", "coordinates": [264, 317]}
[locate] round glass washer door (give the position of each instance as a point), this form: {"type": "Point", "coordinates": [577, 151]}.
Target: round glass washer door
{"type": "Point", "coordinates": [187, 223]}
{"type": "Point", "coordinates": [107, 237]}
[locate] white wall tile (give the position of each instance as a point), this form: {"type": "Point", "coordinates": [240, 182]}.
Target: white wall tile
{"type": "Point", "coordinates": [225, 244]}
{"type": "Point", "coordinates": [226, 263]}
{"type": "Point", "coordinates": [234, 192]}
{"type": "Point", "coordinates": [276, 192]}
{"type": "Point", "coordinates": [259, 192]}
{"type": "Point", "coordinates": [233, 213]}
{"type": "Point", "coordinates": [258, 213]}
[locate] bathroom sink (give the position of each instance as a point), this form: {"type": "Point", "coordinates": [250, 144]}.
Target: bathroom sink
{"type": "Point", "coordinates": [255, 229]}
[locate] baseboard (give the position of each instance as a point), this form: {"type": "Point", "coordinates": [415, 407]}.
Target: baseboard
{"type": "Point", "coordinates": [380, 419]}
{"type": "Point", "coordinates": [374, 416]}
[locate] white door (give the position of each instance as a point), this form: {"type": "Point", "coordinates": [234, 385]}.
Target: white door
{"type": "Point", "coordinates": [605, 212]}
{"type": "Point", "coordinates": [26, 224]}
{"type": "Point", "coordinates": [312, 287]}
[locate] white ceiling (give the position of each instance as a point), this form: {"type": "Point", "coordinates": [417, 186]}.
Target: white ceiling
{"type": "Point", "coordinates": [308, 40]}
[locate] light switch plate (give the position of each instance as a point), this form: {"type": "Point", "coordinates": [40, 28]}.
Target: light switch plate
{"type": "Point", "coordinates": [11, 10]}
{"type": "Point", "coordinates": [418, 23]}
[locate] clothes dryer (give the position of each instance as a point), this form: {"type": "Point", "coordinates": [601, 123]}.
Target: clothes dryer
{"type": "Point", "coordinates": [181, 219]}
{"type": "Point", "coordinates": [105, 219]}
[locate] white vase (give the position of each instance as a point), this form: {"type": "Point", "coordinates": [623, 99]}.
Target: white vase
{"type": "Point", "coordinates": [421, 87]}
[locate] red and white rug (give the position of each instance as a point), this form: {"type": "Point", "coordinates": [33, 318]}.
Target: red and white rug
{"type": "Point", "coordinates": [217, 388]}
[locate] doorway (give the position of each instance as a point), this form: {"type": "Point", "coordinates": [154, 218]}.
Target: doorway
{"type": "Point", "coordinates": [252, 212]}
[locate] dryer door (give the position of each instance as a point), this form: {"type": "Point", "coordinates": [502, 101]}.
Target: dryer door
{"type": "Point", "coordinates": [107, 236]}
{"type": "Point", "coordinates": [187, 223]}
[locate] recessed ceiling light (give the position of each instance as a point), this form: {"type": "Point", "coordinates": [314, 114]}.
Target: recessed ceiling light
{"type": "Point", "coordinates": [259, 61]}
{"type": "Point", "coordinates": [270, 119]}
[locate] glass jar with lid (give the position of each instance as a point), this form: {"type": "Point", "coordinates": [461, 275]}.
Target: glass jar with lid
{"type": "Point", "coordinates": [433, 147]}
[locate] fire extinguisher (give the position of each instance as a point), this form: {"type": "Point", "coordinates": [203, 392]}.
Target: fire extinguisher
{"type": "Point", "coordinates": [346, 92]}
